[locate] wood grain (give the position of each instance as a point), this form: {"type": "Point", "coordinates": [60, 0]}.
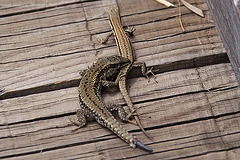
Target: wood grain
{"type": "Point", "coordinates": [191, 113]}
{"type": "Point", "coordinates": [227, 18]}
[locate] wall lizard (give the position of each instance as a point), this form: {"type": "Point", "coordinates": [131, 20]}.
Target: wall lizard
{"type": "Point", "coordinates": [125, 49]}
{"type": "Point", "coordinates": [91, 104]}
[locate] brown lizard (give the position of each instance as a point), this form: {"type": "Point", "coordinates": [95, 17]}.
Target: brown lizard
{"type": "Point", "coordinates": [125, 49]}
{"type": "Point", "coordinates": [91, 104]}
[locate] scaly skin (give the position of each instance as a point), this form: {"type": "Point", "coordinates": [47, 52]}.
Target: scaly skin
{"type": "Point", "coordinates": [91, 102]}
{"type": "Point", "coordinates": [125, 50]}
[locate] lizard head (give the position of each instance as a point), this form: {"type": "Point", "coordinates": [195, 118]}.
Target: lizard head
{"type": "Point", "coordinates": [118, 61]}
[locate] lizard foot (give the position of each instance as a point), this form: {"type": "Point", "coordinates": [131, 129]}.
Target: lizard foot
{"type": "Point", "coordinates": [146, 71]}
{"type": "Point", "coordinates": [81, 120]}
{"type": "Point", "coordinates": [129, 31]}
{"type": "Point", "coordinates": [122, 114]}
{"type": "Point", "coordinates": [75, 122]}
{"type": "Point", "coordinates": [104, 40]}
{"type": "Point", "coordinates": [151, 71]}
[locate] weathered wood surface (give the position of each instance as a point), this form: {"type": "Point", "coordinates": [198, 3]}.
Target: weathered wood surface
{"type": "Point", "coordinates": [192, 113]}
{"type": "Point", "coordinates": [227, 18]}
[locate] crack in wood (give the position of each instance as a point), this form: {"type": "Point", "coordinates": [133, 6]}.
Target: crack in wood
{"type": "Point", "coordinates": [135, 72]}
{"type": "Point", "coordinates": [35, 106]}
{"type": "Point", "coordinates": [176, 34]}
{"type": "Point", "coordinates": [40, 89]}
{"type": "Point", "coordinates": [188, 121]}
{"type": "Point", "coordinates": [43, 9]}
{"type": "Point", "coordinates": [183, 94]}
{"type": "Point", "coordinates": [205, 153]}
{"type": "Point", "coordinates": [53, 148]}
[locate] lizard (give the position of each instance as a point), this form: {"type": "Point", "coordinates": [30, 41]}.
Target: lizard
{"type": "Point", "coordinates": [91, 103]}
{"type": "Point", "coordinates": [125, 49]}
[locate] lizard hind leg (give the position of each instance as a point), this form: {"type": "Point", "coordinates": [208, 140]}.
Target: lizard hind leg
{"type": "Point", "coordinates": [122, 114]}
{"type": "Point", "coordinates": [83, 115]}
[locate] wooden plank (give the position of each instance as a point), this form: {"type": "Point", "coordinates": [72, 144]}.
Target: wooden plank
{"type": "Point", "coordinates": [67, 42]}
{"type": "Point", "coordinates": [227, 19]}
{"type": "Point", "coordinates": [189, 81]}
{"type": "Point", "coordinates": [192, 113]}
{"type": "Point", "coordinates": [187, 117]}
{"type": "Point", "coordinates": [193, 139]}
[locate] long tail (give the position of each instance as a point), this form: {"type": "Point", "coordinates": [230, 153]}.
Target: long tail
{"type": "Point", "coordinates": [130, 105]}
{"type": "Point", "coordinates": [118, 129]}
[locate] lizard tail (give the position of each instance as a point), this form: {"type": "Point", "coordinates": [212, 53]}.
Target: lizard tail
{"type": "Point", "coordinates": [143, 147]}
{"type": "Point", "coordinates": [129, 103]}
{"type": "Point", "coordinates": [118, 129]}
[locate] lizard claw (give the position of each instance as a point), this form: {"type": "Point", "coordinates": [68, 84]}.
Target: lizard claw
{"type": "Point", "coordinates": [129, 31]}
{"type": "Point", "coordinates": [75, 122]}
{"type": "Point", "coordinates": [152, 72]}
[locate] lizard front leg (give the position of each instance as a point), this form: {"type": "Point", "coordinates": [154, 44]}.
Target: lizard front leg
{"type": "Point", "coordinates": [145, 71]}
{"type": "Point", "coordinates": [128, 30]}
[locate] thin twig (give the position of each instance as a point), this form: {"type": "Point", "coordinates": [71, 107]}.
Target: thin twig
{"type": "Point", "coordinates": [180, 15]}
{"type": "Point", "coordinates": [166, 3]}
{"type": "Point", "coordinates": [193, 8]}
